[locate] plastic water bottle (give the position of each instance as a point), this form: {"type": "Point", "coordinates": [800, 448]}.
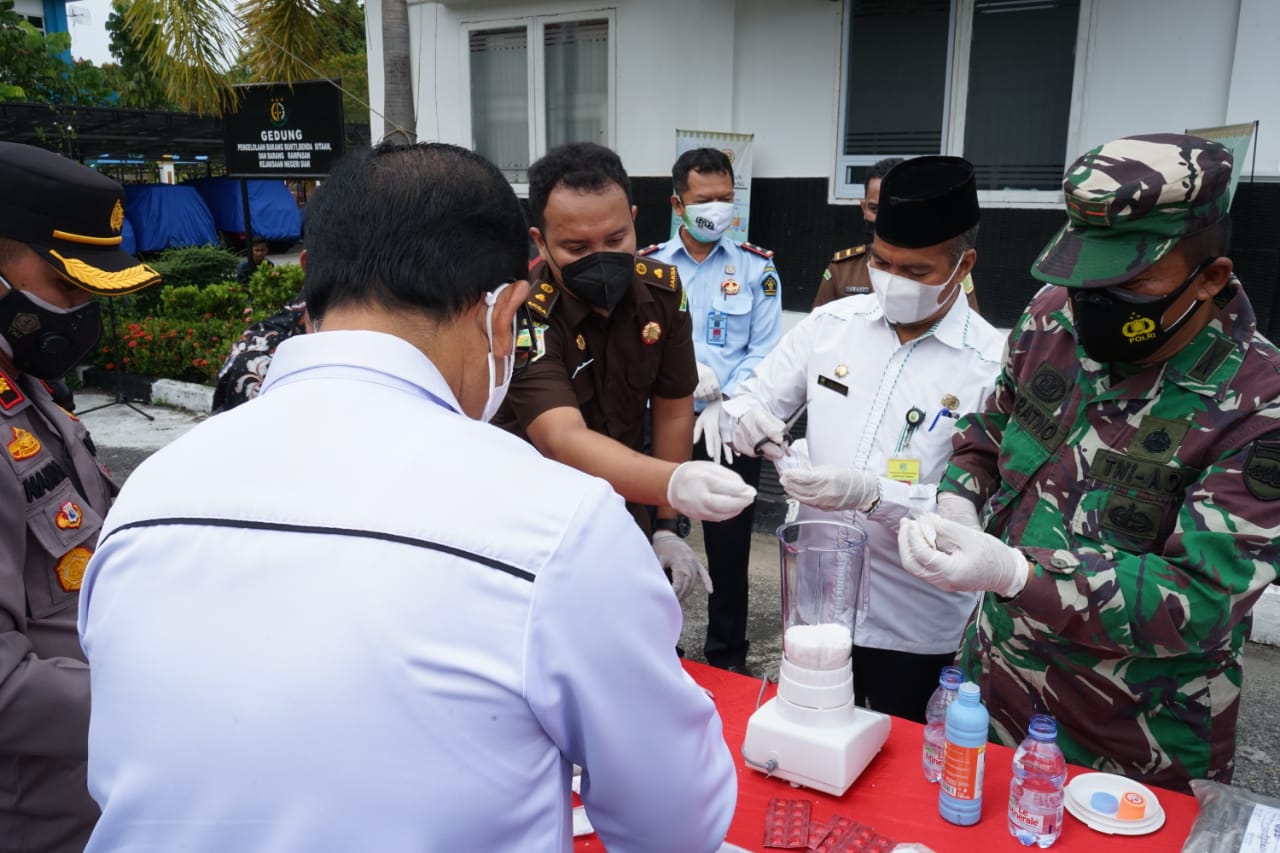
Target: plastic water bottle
{"type": "Point", "coordinates": [1035, 792]}
{"type": "Point", "coordinates": [964, 758]}
{"type": "Point", "coordinates": [935, 716]}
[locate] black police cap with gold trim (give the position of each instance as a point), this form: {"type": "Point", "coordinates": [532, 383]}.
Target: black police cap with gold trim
{"type": "Point", "coordinates": [71, 216]}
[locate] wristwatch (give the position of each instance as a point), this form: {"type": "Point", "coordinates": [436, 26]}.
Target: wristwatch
{"type": "Point", "coordinates": [679, 525]}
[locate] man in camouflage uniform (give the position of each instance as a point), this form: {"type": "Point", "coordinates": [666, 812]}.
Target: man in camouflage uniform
{"type": "Point", "coordinates": [1131, 453]}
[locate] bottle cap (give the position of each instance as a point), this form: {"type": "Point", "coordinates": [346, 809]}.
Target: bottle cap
{"type": "Point", "coordinates": [1133, 806]}
{"type": "Point", "coordinates": [969, 693]}
{"type": "Point", "coordinates": [951, 677]}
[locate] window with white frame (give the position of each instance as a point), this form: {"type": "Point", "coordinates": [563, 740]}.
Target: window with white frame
{"type": "Point", "coordinates": [989, 80]}
{"type": "Point", "coordinates": [538, 82]}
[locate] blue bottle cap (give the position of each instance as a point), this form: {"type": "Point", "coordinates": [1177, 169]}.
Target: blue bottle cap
{"type": "Point", "coordinates": [1104, 803]}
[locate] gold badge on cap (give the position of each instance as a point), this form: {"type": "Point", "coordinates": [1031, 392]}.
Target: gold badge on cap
{"type": "Point", "coordinates": [71, 567]}
{"type": "Point", "coordinates": [841, 371]}
{"type": "Point", "coordinates": [950, 401]}
{"type": "Point", "coordinates": [117, 217]}
{"type": "Point", "coordinates": [730, 287]}
{"type": "Point", "coordinates": [581, 342]}
{"type": "Point", "coordinates": [24, 444]}
{"type": "Point", "coordinates": [651, 333]}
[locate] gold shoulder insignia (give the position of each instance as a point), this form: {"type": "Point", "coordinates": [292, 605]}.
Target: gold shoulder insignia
{"type": "Point", "coordinates": [648, 250]}
{"type": "Point", "coordinates": [10, 394]}
{"type": "Point", "coordinates": [846, 254]}
{"type": "Point", "coordinates": [757, 250]}
{"type": "Point", "coordinates": [659, 275]}
{"type": "Point", "coordinates": [542, 297]}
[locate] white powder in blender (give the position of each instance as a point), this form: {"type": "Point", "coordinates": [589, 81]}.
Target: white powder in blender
{"type": "Point", "coordinates": [824, 646]}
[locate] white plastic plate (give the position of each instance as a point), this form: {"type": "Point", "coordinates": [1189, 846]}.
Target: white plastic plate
{"type": "Point", "coordinates": [1081, 789]}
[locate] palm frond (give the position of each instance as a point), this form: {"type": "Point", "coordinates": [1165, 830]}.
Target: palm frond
{"type": "Point", "coordinates": [285, 39]}
{"type": "Point", "coordinates": [191, 45]}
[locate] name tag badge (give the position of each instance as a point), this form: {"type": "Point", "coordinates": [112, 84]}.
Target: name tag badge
{"type": "Point", "coordinates": [904, 470]}
{"type": "Point", "coordinates": [839, 387]}
{"type": "Point", "coordinates": [717, 328]}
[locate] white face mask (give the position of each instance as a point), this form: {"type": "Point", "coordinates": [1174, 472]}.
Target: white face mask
{"type": "Point", "coordinates": [707, 222]}
{"type": "Point", "coordinates": [906, 301]}
{"type": "Point", "coordinates": [497, 392]}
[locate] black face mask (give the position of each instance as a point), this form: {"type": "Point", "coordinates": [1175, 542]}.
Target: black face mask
{"type": "Point", "coordinates": [1115, 326]}
{"type": "Point", "coordinates": [46, 343]}
{"type": "Point", "coordinates": [601, 279]}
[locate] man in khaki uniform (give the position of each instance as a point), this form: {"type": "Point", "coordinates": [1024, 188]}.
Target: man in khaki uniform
{"type": "Point", "coordinates": [59, 245]}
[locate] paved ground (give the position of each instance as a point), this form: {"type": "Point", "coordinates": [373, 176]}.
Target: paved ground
{"type": "Point", "coordinates": [125, 438]}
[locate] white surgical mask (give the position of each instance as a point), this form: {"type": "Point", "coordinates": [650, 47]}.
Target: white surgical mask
{"type": "Point", "coordinates": [707, 222]}
{"type": "Point", "coordinates": [498, 392]}
{"type": "Point", "coordinates": [906, 301]}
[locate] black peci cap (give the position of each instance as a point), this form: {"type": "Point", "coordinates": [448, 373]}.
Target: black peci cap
{"type": "Point", "coordinates": [925, 201]}
{"type": "Point", "coordinates": [69, 215]}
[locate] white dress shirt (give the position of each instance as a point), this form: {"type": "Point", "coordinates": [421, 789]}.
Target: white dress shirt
{"type": "Point", "coordinates": [346, 617]}
{"type": "Point", "coordinates": [847, 344]}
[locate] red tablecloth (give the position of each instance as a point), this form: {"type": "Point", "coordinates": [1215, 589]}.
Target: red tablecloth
{"type": "Point", "coordinates": [892, 796]}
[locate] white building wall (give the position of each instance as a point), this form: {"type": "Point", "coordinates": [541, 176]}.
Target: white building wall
{"type": "Point", "coordinates": [773, 69]}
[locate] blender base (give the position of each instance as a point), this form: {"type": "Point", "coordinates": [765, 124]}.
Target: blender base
{"type": "Point", "coordinates": [826, 757]}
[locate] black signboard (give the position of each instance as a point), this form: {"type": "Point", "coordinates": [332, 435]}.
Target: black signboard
{"type": "Point", "coordinates": [281, 132]}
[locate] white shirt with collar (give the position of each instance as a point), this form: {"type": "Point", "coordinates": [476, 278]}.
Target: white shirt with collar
{"type": "Point", "coordinates": [860, 381]}
{"type": "Point", "coordinates": [345, 616]}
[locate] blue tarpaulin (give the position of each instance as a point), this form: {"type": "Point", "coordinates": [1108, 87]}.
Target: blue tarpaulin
{"type": "Point", "coordinates": [273, 213]}
{"type": "Point", "coordinates": [128, 244]}
{"type": "Point", "coordinates": [164, 216]}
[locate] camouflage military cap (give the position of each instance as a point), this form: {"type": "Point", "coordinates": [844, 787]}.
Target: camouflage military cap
{"type": "Point", "coordinates": [1129, 202]}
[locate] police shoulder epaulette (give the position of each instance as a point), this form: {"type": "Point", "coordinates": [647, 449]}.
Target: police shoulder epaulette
{"type": "Point", "coordinates": [648, 250]}
{"type": "Point", "coordinates": [543, 295]}
{"type": "Point", "coordinates": [659, 275]}
{"type": "Point", "coordinates": [846, 254]}
{"type": "Point", "coordinates": [11, 395]}
{"type": "Point", "coordinates": [757, 250]}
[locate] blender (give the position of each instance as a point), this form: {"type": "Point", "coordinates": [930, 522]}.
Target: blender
{"type": "Point", "coordinates": [811, 733]}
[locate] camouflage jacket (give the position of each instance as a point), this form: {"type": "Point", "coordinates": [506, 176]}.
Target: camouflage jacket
{"type": "Point", "coordinates": [1150, 508]}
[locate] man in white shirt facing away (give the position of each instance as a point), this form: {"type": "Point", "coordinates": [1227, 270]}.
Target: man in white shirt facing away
{"type": "Point", "coordinates": [407, 643]}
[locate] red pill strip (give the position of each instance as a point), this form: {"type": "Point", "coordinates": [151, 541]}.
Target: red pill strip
{"type": "Point", "coordinates": [786, 823]}
{"type": "Point", "coordinates": [837, 828]}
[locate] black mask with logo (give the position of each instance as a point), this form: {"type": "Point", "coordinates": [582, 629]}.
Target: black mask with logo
{"type": "Point", "coordinates": [599, 279]}
{"type": "Point", "coordinates": [47, 343]}
{"type": "Point", "coordinates": [1116, 326]}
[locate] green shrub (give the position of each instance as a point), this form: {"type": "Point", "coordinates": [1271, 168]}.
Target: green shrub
{"type": "Point", "coordinates": [194, 265]}
{"type": "Point", "coordinates": [185, 331]}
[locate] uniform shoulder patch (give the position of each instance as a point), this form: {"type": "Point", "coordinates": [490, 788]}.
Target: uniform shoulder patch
{"type": "Point", "coordinates": [757, 250]}
{"type": "Point", "coordinates": [10, 394]}
{"type": "Point", "coordinates": [1262, 470]}
{"type": "Point", "coordinates": [542, 297]}
{"type": "Point", "coordinates": [648, 250]}
{"type": "Point", "coordinates": [846, 254]}
{"type": "Point", "coordinates": [659, 275]}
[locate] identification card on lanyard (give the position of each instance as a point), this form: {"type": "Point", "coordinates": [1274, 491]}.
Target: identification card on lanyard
{"type": "Point", "coordinates": [717, 328]}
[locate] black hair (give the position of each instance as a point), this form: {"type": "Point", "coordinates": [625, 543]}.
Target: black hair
{"type": "Point", "coordinates": [1211, 242]}
{"type": "Point", "coordinates": [701, 160]}
{"type": "Point", "coordinates": [257, 240]}
{"type": "Point", "coordinates": [427, 227]}
{"type": "Point", "coordinates": [881, 168]}
{"type": "Point", "coordinates": [578, 166]}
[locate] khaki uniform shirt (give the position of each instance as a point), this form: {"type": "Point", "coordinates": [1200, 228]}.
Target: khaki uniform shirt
{"type": "Point", "coordinates": [53, 494]}
{"type": "Point", "coordinates": [606, 367]}
{"type": "Point", "coordinates": [845, 275]}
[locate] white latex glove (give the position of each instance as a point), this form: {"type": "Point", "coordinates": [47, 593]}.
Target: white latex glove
{"type": "Point", "coordinates": [955, 558]}
{"type": "Point", "coordinates": [707, 491]}
{"type": "Point", "coordinates": [959, 509]}
{"type": "Point", "coordinates": [708, 387]}
{"type": "Point", "coordinates": [707, 428]}
{"type": "Point", "coordinates": [831, 487]}
{"type": "Point", "coordinates": [755, 426]}
{"type": "Point", "coordinates": [677, 557]}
